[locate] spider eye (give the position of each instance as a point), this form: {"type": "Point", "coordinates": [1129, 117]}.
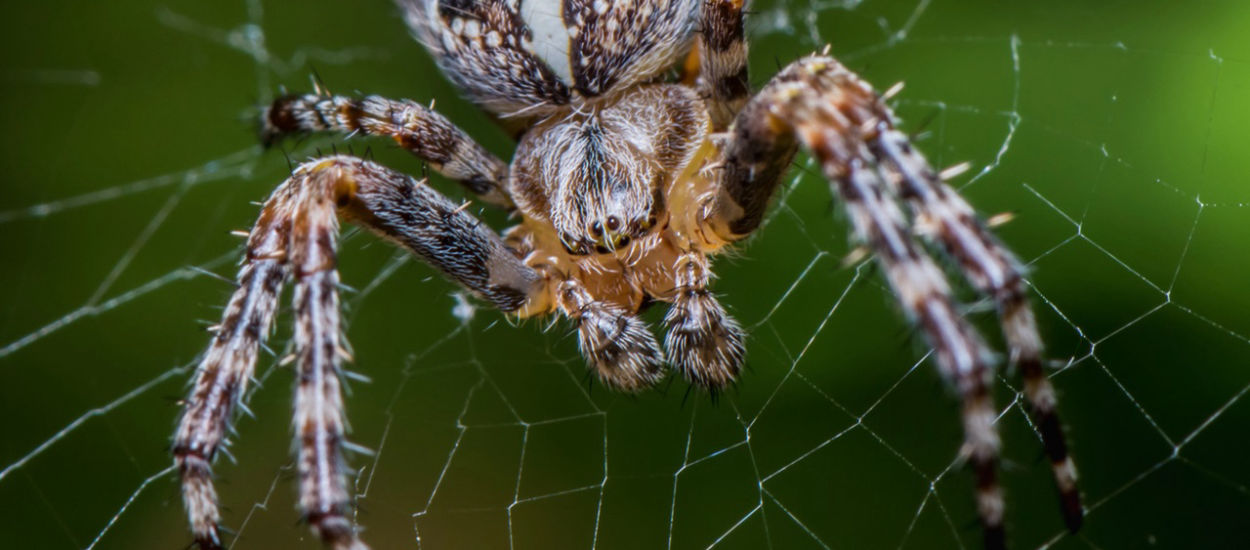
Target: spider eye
{"type": "Point", "coordinates": [596, 229]}
{"type": "Point", "coordinates": [614, 223]}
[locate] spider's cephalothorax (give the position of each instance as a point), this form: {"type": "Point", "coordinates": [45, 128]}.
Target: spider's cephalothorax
{"type": "Point", "coordinates": [625, 184]}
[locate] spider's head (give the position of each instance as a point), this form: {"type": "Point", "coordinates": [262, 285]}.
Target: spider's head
{"type": "Point", "coordinates": [600, 177]}
{"type": "Point", "coordinates": [600, 188]}
{"type": "Point", "coordinates": [595, 183]}
{"type": "Point", "coordinates": [606, 195]}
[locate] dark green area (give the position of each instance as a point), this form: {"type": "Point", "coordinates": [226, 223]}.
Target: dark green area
{"type": "Point", "coordinates": [1115, 131]}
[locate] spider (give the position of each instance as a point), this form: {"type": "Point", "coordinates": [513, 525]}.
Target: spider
{"type": "Point", "coordinates": [625, 182]}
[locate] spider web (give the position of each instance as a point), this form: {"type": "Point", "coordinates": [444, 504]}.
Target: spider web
{"type": "Point", "coordinates": [1111, 133]}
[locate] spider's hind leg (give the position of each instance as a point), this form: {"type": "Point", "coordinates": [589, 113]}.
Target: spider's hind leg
{"type": "Point", "coordinates": [418, 129]}
{"type": "Point", "coordinates": [222, 376]}
{"type": "Point", "coordinates": [703, 343]}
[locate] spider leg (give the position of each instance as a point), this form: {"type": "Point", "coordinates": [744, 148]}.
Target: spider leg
{"type": "Point", "coordinates": [723, 60]}
{"type": "Point", "coordinates": [994, 271]}
{"type": "Point", "coordinates": [224, 372]}
{"type": "Point", "coordinates": [615, 342]}
{"type": "Point", "coordinates": [295, 237]}
{"type": "Point", "coordinates": [420, 130]}
{"type": "Point", "coordinates": [823, 105]}
{"type": "Point", "coordinates": [319, 419]}
{"type": "Point", "coordinates": [704, 343]}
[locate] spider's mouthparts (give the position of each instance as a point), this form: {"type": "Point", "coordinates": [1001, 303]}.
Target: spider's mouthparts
{"type": "Point", "coordinates": [574, 245]}
{"type": "Point", "coordinates": [612, 234]}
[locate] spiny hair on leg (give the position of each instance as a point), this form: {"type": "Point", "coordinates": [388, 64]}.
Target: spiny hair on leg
{"type": "Point", "coordinates": [616, 343]}
{"type": "Point", "coordinates": [704, 343]}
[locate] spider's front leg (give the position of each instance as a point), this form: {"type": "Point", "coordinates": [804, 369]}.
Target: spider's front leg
{"type": "Point", "coordinates": [295, 237]}
{"type": "Point", "coordinates": [224, 373]}
{"type": "Point", "coordinates": [420, 130]}
{"type": "Point", "coordinates": [848, 128]}
{"type": "Point", "coordinates": [996, 273]}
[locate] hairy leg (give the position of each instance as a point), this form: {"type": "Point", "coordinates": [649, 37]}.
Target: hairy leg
{"type": "Point", "coordinates": [224, 373]}
{"type": "Point", "coordinates": [849, 130]}
{"type": "Point", "coordinates": [295, 237]}
{"type": "Point", "coordinates": [994, 271]}
{"type": "Point", "coordinates": [615, 342]}
{"type": "Point", "coordinates": [703, 342]}
{"type": "Point", "coordinates": [324, 498]}
{"type": "Point", "coordinates": [925, 296]}
{"type": "Point", "coordinates": [414, 127]}
{"type": "Point", "coordinates": [723, 79]}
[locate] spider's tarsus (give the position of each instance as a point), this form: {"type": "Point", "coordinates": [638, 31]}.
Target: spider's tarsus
{"type": "Point", "coordinates": [1073, 513]}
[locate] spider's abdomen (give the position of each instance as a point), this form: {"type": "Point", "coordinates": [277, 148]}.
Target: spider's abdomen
{"type": "Point", "coordinates": [537, 56]}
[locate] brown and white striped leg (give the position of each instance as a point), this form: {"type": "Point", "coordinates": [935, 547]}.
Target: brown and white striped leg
{"type": "Point", "coordinates": [224, 373]}
{"type": "Point", "coordinates": [946, 217]}
{"type": "Point", "coordinates": [810, 100]}
{"type": "Point", "coordinates": [703, 342]}
{"type": "Point", "coordinates": [324, 499]}
{"type": "Point", "coordinates": [723, 78]}
{"type": "Point", "coordinates": [925, 296]}
{"type": "Point", "coordinates": [615, 342]}
{"type": "Point", "coordinates": [295, 236]}
{"type": "Point", "coordinates": [414, 127]}
{"type": "Point", "coordinates": [410, 213]}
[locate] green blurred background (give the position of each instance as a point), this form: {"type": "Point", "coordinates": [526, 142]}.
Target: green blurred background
{"type": "Point", "coordinates": [1114, 131]}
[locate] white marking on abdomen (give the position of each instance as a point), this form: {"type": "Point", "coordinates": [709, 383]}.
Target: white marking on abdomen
{"type": "Point", "coordinates": [545, 19]}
